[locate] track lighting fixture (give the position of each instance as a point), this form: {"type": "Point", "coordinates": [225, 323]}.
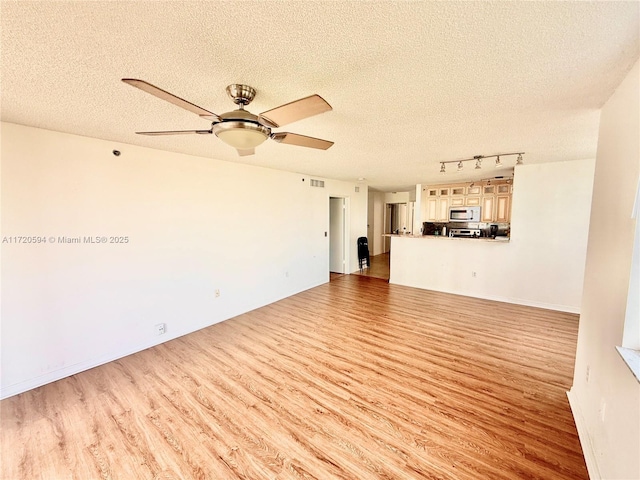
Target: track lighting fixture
{"type": "Point", "coordinates": [478, 159]}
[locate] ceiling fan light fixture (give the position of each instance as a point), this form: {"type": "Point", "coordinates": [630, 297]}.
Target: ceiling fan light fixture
{"type": "Point", "coordinates": [241, 135]}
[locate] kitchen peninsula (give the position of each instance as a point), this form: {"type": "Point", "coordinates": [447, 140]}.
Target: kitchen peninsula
{"type": "Point", "coordinates": [541, 261]}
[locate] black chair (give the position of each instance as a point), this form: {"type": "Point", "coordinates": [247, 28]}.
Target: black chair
{"type": "Point", "coordinates": [363, 253]}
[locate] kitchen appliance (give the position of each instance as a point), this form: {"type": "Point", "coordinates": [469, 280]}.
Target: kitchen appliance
{"type": "Point", "coordinates": [465, 232]}
{"type": "Point", "coordinates": [431, 228]}
{"type": "Point", "coordinates": [464, 214]}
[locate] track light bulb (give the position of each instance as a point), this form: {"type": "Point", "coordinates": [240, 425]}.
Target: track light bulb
{"type": "Point", "coordinates": [478, 164]}
{"type": "Point", "coordinates": [498, 162]}
{"type": "Point", "coordinates": [460, 166]}
{"type": "Point", "coordinates": [519, 159]}
{"type": "Point", "coordinates": [442, 170]}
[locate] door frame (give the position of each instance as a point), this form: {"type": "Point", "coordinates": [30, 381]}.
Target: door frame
{"type": "Point", "coordinates": [346, 232]}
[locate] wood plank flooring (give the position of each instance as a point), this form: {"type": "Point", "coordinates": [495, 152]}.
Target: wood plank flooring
{"type": "Point", "coordinates": [355, 379]}
{"type": "Point", "coordinates": [379, 267]}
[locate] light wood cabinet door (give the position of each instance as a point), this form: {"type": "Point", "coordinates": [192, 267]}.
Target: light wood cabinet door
{"type": "Point", "coordinates": [488, 207]}
{"type": "Point", "coordinates": [503, 189]}
{"type": "Point", "coordinates": [443, 211]}
{"type": "Point", "coordinates": [503, 208]}
{"type": "Point", "coordinates": [495, 200]}
{"type": "Point", "coordinates": [432, 209]}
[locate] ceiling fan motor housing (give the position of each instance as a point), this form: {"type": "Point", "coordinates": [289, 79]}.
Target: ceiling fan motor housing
{"type": "Point", "coordinates": [241, 94]}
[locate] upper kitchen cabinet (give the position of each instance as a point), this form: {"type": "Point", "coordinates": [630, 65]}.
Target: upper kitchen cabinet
{"type": "Point", "coordinates": [496, 203]}
{"type": "Point", "coordinates": [436, 204]}
{"type": "Point", "coordinates": [493, 197]}
{"type": "Point", "coordinates": [488, 211]}
{"type": "Point", "coordinates": [503, 208]}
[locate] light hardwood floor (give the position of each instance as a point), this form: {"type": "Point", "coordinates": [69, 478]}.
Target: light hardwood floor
{"type": "Point", "coordinates": [379, 267]}
{"type": "Point", "coordinates": [354, 379]}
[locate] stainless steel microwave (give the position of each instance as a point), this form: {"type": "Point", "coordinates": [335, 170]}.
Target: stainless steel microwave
{"type": "Point", "coordinates": [464, 214]}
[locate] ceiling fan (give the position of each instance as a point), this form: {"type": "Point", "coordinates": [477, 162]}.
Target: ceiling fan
{"type": "Point", "coordinates": [240, 128]}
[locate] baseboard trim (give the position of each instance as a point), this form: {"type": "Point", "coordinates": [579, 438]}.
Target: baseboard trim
{"type": "Point", "coordinates": [7, 391]}
{"type": "Point", "coordinates": [59, 374]}
{"type": "Point", "coordinates": [585, 440]}
{"type": "Point", "coordinates": [497, 298]}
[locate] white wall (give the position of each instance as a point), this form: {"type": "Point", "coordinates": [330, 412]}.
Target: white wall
{"type": "Point", "coordinates": [396, 197]}
{"type": "Point", "coordinates": [378, 223]}
{"type": "Point", "coordinates": [194, 225]}
{"type": "Point", "coordinates": [542, 265]}
{"type": "Point", "coordinates": [606, 405]}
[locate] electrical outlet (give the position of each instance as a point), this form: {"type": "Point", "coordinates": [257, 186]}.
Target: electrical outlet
{"type": "Point", "coordinates": [217, 292]}
{"type": "Point", "coordinates": [161, 329]}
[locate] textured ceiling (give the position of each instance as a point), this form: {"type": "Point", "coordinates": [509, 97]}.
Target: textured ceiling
{"type": "Point", "coordinates": [411, 83]}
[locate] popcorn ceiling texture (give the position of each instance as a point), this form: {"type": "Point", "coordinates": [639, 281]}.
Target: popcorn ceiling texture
{"type": "Point", "coordinates": [411, 83]}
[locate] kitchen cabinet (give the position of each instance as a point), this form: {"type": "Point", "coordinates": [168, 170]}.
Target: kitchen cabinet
{"type": "Point", "coordinates": [503, 208]}
{"type": "Point", "coordinates": [432, 209]}
{"type": "Point", "coordinates": [437, 204]}
{"type": "Point", "coordinates": [443, 210]}
{"type": "Point", "coordinates": [488, 207]}
{"type": "Point", "coordinates": [496, 208]}
{"type": "Point", "coordinates": [494, 198]}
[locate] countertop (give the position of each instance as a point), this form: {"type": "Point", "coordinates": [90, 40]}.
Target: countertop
{"type": "Point", "coordinates": [440, 237]}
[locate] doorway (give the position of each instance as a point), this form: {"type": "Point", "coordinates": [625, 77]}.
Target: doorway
{"type": "Point", "coordinates": [395, 221]}
{"type": "Point", "coordinates": [337, 235]}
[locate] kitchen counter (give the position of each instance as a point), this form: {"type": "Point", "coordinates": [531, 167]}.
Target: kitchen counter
{"type": "Point", "coordinates": [440, 237]}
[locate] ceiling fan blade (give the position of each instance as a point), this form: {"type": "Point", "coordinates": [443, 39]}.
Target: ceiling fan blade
{"type": "Point", "coordinates": [244, 153]}
{"type": "Point", "coordinates": [169, 97]}
{"type": "Point", "coordinates": [176, 132]}
{"type": "Point", "coordinates": [301, 140]}
{"type": "Point", "coordinates": [296, 110]}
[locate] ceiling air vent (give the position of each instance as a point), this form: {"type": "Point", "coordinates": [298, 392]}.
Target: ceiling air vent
{"type": "Point", "coordinates": [317, 183]}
